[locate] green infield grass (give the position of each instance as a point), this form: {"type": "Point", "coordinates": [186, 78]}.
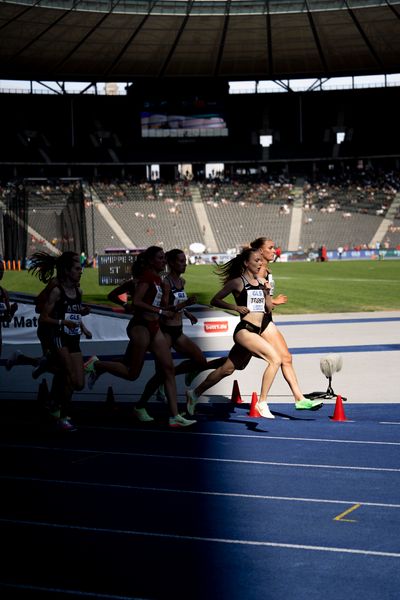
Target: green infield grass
{"type": "Point", "coordinates": [311, 287]}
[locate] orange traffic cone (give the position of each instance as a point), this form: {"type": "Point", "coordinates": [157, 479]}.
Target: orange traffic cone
{"type": "Point", "coordinates": [253, 410]}
{"type": "Point", "coordinates": [338, 414]}
{"type": "Point", "coordinates": [236, 397]}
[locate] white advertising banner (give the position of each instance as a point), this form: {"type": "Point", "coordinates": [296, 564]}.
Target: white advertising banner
{"type": "Point", "coordinates": [22, 328]}
{"type": "Point", "coordinates": [112, 326]}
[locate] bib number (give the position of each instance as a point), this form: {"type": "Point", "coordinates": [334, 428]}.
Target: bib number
{"type": "Point", "coordinates": [158, 297]}
{"type": "Point", "coordinates": [255, 301]}
{"type": "Point", "coordinates": [76, 320]}
{"type": "Point", "coordinates": [179, 297]}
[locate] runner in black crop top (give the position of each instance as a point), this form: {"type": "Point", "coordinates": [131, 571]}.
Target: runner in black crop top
{"type": "Point", "coordinates": [68, 311]}
{"type": "Point", "coordinates": [60, 314]}
{"type": "Point", "coordinates": [239, 356]}
{"type": "Point", "coordinates": [252, 303]}
{"type": "Point", "coordinates": [252, 295]}
{"type": "Point", "coordinates": [274, 336]}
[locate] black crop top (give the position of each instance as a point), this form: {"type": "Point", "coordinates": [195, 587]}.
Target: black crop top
{"type": "Point", "coordinates": [251, 296]}
{"type": "Point", "coordinates": [176, 295]}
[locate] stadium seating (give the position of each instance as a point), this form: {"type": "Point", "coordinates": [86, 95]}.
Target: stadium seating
{"type": "Point", "coordinates": [153, 214]}
{"type": "Point", "coordinates": [337, 229]}
{"type": "Point", "coordinates": [392, 236]}
{"type": "Point", "coordinates": [123, 213]}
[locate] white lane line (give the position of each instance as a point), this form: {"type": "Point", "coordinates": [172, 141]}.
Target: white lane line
{"type": "Point", "coordinates": [247, 436]}
{"type": "Point", "coordinates": [203, 459]}
{"type": "Point", "coordinates": [317, 278]}
{"type": "Point", "coordinates": [67, 591]}
{"type": "Point", "coordinates": [139, 488]}
{"type": "Point", "coordinates": [172, 536]}
{"type": "Point", "coordinates": [389, 422]}
{"type": "Point", "coordinates": [297, 439]}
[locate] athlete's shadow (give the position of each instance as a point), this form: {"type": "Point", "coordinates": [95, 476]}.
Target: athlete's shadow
{"type": "Point", "coordinates": [290, 417]}
{"type": "Point", "coordinates": [234, 413]}
{"type": "Point", "coordinates": [246, 409]}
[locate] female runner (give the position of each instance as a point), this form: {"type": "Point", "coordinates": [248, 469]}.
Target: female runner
{"type": "Point", "coordinates": [60, 318]}
{"type": "Point", "coordinates": [239, 358]}
{"type": "Point", "coordinates": [253, 303]}
{"type": "Point", "coordinates": [145, 335]}
{"type": "Point", "coordinates": [172, 328]}
{"type": "Point", "coordinates": [266, 247]}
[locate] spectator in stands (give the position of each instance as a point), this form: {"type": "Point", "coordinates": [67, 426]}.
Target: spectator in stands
{"type": "Point", "coordinates": [145, 334]}
{"type": "Point", "coordinates": [7, 310]}
{"type": "Point", "coordinates": [253, 303]}
{"type": "Point", "coordinates": [60, 318]}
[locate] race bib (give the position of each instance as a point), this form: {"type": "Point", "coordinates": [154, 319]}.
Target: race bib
{"type": "Point", "coordinates": [179, 296]}
{"type": "Point", "coordinates": [158, 296]}
{"type": "Point", "coordinates": [271, 282]}
{"type": "Point", "coordinates": [76, 320]}
{"type": "Point", "coordinates": [255, 300]}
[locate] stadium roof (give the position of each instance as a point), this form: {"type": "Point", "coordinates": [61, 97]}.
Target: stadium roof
{"type": "Point", "coordinates": [124, 40]}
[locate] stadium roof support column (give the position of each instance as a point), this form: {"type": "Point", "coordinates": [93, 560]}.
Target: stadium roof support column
{"type": "Point", "coordinates": [296, 222]}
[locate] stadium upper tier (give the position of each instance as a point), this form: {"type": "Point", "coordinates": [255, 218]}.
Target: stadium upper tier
{"type": "Point", "coordinates": [235, 40]}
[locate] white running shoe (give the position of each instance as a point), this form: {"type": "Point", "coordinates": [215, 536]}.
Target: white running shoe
{"type": "Point", "coordinates": [142, 415]}
{"type": "Point", "coordinates": [180, 421]}
{"type": "Point", "coordinates": [264, 411]}
{"type": "Point", "coordinates": [191, 401]}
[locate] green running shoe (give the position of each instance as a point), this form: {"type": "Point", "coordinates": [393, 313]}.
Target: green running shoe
{"type": "Point", "coordinates": [306, 404]}
{"type": "Point", "coordinates": [88, 366]}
